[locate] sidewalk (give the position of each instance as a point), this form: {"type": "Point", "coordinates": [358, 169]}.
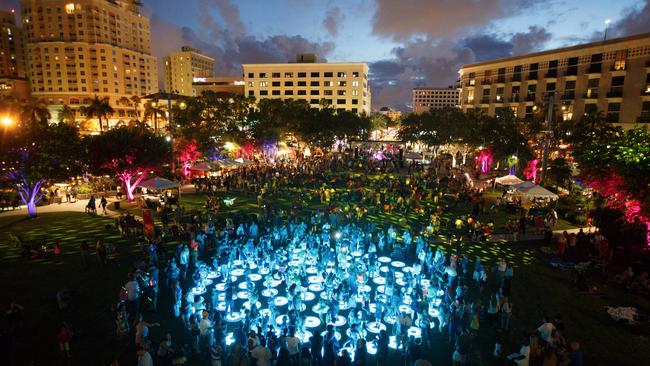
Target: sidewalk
{"type": "Point", "coordinates": [540, 236]}
{"type": "Point", "coordinates": [78, 206]}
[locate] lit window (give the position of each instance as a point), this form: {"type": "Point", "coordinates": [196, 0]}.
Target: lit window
{"type": "Point", "coordinates": [69, 8]}
{"type": "Point", "coordinates": [355, 83]}
{"type": "Point", "coordinates": [264, 83]}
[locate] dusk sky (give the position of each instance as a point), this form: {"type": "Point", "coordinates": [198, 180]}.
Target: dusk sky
{"type": "Point", "coordinates": [407, 43]}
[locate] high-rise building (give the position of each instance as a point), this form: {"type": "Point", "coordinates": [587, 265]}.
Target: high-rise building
{"type": "Point", "coordinates": [182, 67]}
{"type": "Point", "coordinates": [612, 76]}
{"type": "Point", "coordinates": [12, 58]}
{"type": "Point", "coordinates": [80, 49]}
{"type": "Point", "coordinates": [343, 85]}
{"type": "Point", "coordinates": [426, 99]}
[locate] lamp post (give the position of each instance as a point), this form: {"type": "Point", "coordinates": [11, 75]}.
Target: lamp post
{"type": "Point", "coordinates": [547, 135]}
{"type": "Point", "coordinates": [7, 121]}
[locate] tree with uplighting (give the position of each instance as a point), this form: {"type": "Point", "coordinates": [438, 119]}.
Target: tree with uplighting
{"type": "Point", "coordinates": [128, 153]}
{"type": "Point", "coordinates": [100, 108]}
{"type": "Point", "coordinates": [36, 157]}
{"type": "Point", "coordinates": [188, 153]}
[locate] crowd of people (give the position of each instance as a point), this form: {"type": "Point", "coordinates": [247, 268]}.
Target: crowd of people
{"type": "Point", "coordinates": [321, 287]}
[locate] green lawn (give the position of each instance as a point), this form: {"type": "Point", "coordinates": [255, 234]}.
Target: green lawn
{"type": "Point", "coordinates": [537, 289]}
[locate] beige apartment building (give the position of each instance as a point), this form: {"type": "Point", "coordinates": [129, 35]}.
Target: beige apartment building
{"type": "Point", "coordinates": [612, 76]}
{"type": "Point", "coordinates": [182, 67]}
{"type": "Point", "coordinates": [13, 80]}
{"type": "Point", "coordinates": [426, 99]}
{"type": "Point", "coordinates": [225, 85]}
{"type": "Point", "coordinates": [343, 85]}
{"type": "Point", "coordinates": [86, 48]}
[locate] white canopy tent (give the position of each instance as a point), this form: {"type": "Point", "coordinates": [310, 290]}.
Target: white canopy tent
{"type": "Point", "coordinates": [159, 183]}
{"type": "Point", "coordinates": [508, 180]}
{"type": "Point", "coordinates": [532, 190]}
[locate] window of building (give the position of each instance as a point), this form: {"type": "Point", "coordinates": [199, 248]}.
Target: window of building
{"type": "Point", "coordinates": [274, 83]}
{"type": "Point", "coordinates": [288, 92]}
{"type": "Point", "coordinates": [251, 84]}
{"type": "Point", "coordinates": [328, 83]}
{"type": "Point", "coordinates": [288, 83]}
{"type": "Point", "coordinates": [302, 83]}
{"type": "Point", "coordinates": [355, 74]}
{"type": "Point", "coordinates": [341, 74]}
{"type": "Point", "coordinates": [355, 101]}
{"type": "Point", "coordinates": [613, 110]}
{"type": "Point", "coordinates": [251, 75]}
{"type": "Point", "coordinates": [343, 83]}
{"type": "Point", "coordinates": [619, 62]}
{"type": "Point", "coordinates": [262, 75]}
{"type": "Point", "coordinates": [275, 75]}
{"type": "Point", "coordinates": [314, 92]}
{"type": "Point", "coordinates": [618, 81]}
{"type": "Point", "coordinates": [592, 88]}
{"type": "Point", "coordinates": [355, 83]}
{"type": "Point", "coordinates": [315, 74]}
{"type": "Point", "coordinates": [550, 87]}
{"type": "Point", "coordinates": [340, 101]}
{"type": "Point", "coordinates": [302, 92]}
{"type": "Point", "coordinates": [288, 74]}
{"type": "Point", "coordinates": [591, 108]}
{"type": "Point", "coordinates": [340, 92]}
{"type": "Point", "coordinates": [264, 92]}
{"type": "Point", "coordinates": [328, 74]}
{"type": "Point", "coordinates": [302, 74]}
{"type": "Point", "coordinates": [275, 92]}
{"type": "Point", "coordinates": [313, 101]}
{"type": "Point", "coordinates": [314, 83]}
{"type": "Point", "coordinates": [355, 92]}
{"type": "Point", "coordinates": [264, 83]}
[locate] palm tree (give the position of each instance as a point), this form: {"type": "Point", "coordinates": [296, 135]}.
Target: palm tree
{"type": "Point", "coordinates": [154, 109]}
{"type": "Point", "coordinates": [34, 111]}
{"type": "Point", "coordinates": [67, 115]}
{"type": "Point", "coordinates": [136, 105]}
{"type": "Point", "coordinates": [99, 108]}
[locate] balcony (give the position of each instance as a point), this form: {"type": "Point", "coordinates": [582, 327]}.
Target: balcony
{"type": "Point", "coordinates": [551, 73]}
{"type": "Point", "coordinates": [469, 84]}
{"type": "Point", "coordinates": [486, 82]}
{"type": "Point", "coordinates": [594, 69]}
{"type": "Point", "coordinates": [571, 71]}
{"type": "Point", "coordinates": [618, 67]}
{"type": "Point", "coordinates": [514, 98]}
{"type": "Point", "coordinates": [645, 91]}
{"type": "Point", "coordinates": [615, 93]}
{"type": "Point", "coordinates": [499, 99]}
{"type": "Point", "coordinates": [568, 95]}
{"type": "Point", "coordinates": [644, 117]}
{"type": "Point", "coordinates": [532, 76]}
{"type": "Point", "coordinates": [485, 100]}
{"type": "Point", "coordinates": [530, 97]}
{"type": "Point", "coordinates": [501, 79]}
{"type": "Point", "coordinates": [590, 95]}
{"type": "Point", "coordinates": [515, 78]}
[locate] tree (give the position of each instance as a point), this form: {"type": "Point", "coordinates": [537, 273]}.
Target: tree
{"type": "Point", "coordinates": [128, 153]}
{"type": "Point", "coordinates": [152, 110]}
{"type": "Point", "coordinates": [67, 115]}
{"type": "Point", "coordinates": [559, 172]}
{"type": "Point", "coordinates": [34, 113]}
{"type": "Point", "coordinates": [188, 153]}
{"type": "Point", "coordinates": [37, 156]}
{"type": "Point", "coordinates": [100, 108]}
{"type": "Point", "coordinates": [135, 101]}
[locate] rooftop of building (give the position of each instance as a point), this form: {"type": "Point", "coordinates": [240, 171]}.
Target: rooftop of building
{"type": "Point", "coordinates": [436, 88]}
{"type": "Point", "coordinates": [562, 49]}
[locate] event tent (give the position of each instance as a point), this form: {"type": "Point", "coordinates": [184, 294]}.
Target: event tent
{"type": "Point", "coordinates": [509, 180]}
{"type": "Point", "coordinates": [532, 190]}
{"type": "Point", "coordinates": [159, 183]}
{"type": "Point", "coordinates": [203, 167]}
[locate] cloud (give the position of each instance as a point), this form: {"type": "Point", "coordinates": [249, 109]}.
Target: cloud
{"type": "Point", "coordinates": [488, 46]}
{"type": "Point", "coordinates": [634, 21]}
{"type": "Point", "coordinates": [404, 19]}
{"type": "Point", "coordinates": [333, 20]}
{"type": "Point", "coordinates": [232, 50]}
{"type": "Point", "coordinates": [533, 40]}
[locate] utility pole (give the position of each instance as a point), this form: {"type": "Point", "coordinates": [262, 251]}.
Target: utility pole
{"type": "Point", "coordinates": [547, 135]}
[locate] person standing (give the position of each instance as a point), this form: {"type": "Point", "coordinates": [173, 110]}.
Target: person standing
{"type": "Point", "coordinates": [133, 294]}
{"type": "Point", "coordinates": [101, 252]}
{"type": "Point", "coordinates": [144, 358]}
{"type": "Point", "coordinates": [85, 253]}
{"type": "Point", "coordinates": [103, 202]}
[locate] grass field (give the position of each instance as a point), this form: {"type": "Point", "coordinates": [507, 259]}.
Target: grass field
{"type": "Point", "coordinates": [537, 289]}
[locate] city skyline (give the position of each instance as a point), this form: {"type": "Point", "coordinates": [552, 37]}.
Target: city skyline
{"type": "Point", "coordinates": [416, 44]}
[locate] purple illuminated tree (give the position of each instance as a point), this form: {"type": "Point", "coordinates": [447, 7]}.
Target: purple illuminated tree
{"type": "Point", "coordinates": [128, 153]}
{"type": "Point", "coordinates": [484, 161]}
{"type": "Point", "coordinates": [38, 156]}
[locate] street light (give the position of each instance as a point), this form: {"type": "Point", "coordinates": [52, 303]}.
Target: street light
{"type": "Point", "coordinates": [7, 121]}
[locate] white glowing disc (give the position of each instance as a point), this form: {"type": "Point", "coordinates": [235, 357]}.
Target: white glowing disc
{"type": "Point", "coordinates": [425, 283]}
{"type": "Point", "coordinates": [399, 274]}
{"type": "Point", "coordinates": [416, 332]}
{"type": "Point", "coordinates": [200, 290]}
{"type": "Point", "coordinates": [375, 327]}
{"type": "Point", "coordinates": [237, 272]}
{"type": "Point", "coordinates": [390, 319]}
{"type": "Point", "coordinates": [312, 270]}
{"type": "Point", "coordinates": [255, 277]}
{"type": "Point", "coordinates": [242, 295]}
{"type": "Point", "coordinates": [316, 287]}
{"type": "Point", "coordinates": [407, 300]}
{"type": "Point", "coordinates": [233, 317]}
{"type": "Point", "coordinates": [405, 309]}
{"type": "Point", "coordinates": [392, 343]}
{"type": "Point", "coordinates": [264, 271]}
{"type": "Point", "coordinates": [381, 289]}
{"type": "Point", "coordinates": [314, 279]}
{"type": "Point", "coordinates": [212, 274]}
{"type": "Point", "coordinates": [383, 269]}
{"type": "Point", "coordinates": [398, 264]}
{"type": "Point", "coordinates": [400, 282]}
{"type": "Point", "coordinates": [252, 265]}
{"type": "Point", "coordinates": [221, 306]}
{"type": "Point", "coordinates": [320, 308]}
{"type": "Point", "coordinates": [242, 286]}
{"type": "Point", "coordinates": [434, 312]}
{"type": "Point", "coordinates": [230, 339]}
{"type": "Point", "coordinates": [308, 296]}
{"type": "Point", "coordinates": [281, 301]}
{"type": "Point", "coordinates": [364, 288]}
{"type": "Point", "coordinates": [384, 259]}
{"type": "Point", "coordinates": [237, 262]}
{"type": "Point", "coordinates": [407, 269]}
{"type": "Point", "coordinates": [220, 287]}
{"type": "Point", "coordinates": [221, 296]}
{"type": "Point", "coordinates": [371, 347]}
{"type": "Point", "coordinates": [357, 254]}
{"type": "Point", "coordinates": [269, 292]}
{"type": "Point", "coordinates": [339, 321]}
{"type": "Point", "coordinates": [312, 322]}
{"type": "Point", "coordinates": [379, 280]}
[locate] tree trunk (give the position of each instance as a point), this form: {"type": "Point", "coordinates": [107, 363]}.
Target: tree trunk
{"type": "Point", "coordinates": [101, 127]}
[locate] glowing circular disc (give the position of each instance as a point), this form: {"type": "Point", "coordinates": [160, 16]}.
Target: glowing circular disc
{"type": "Point", "coordinates": [416, 332]}
{"type": "Point", "coordinates": [383, 269]}
{"type": "Point", "coordinates": [405, 309]}
{"type": "Point", "coordinates": [312, 270]}
{"type": "Point", "coordinates": [212, 274]}
{"type": "Point", "coordinates": [308, 296]}
{"type": "Point", "coordinates": [247, 305]}
{"type": "Point", "coordinates": [398, 264]}
{"type": "Point", "coordinates": [237, 272]}
{"type": "Point", "coordinates": [242, 286]}
{"type": "Point", "coordinates": [242, 295]}
{"type": "Point", "coordinates": [384, 259]}
{"type": "Point", "coordinates": [237, 263]}
{"type": "Point", "coordinates": [316, 287]}
{"type": "Point", "coordinates": [233, 317]}
{"type": "Point", "coordinates": [339, 321]}
{"type": "Point", "coordinates": [312, 322]}
{"type": "Point", "coordinates": [255, 277]}
{"type": "Point", "coordinates": [375, 327]}
{"type": "Point", "coordinates": [313, 279]}
{"type": "Point", "coordinates": [269, 292]}
{"type": "Point", "coordinates": [320, 308]}
{"type": "Point", "coordinates": [281, 301]}
{"type": "Point", "coordinates": [220, 287]}
{"type": "Point", "coordinates": [379, 280]}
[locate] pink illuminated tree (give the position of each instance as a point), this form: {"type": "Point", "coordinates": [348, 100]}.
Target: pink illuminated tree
{"type": "Point", "coordinates": [128, 153]}
{"type": "Point", "coordinates": [188, 153]}
{"type": "Point", "coordinates": [530, 171]}
{"type": "Point", "coordinates": [484, 161]}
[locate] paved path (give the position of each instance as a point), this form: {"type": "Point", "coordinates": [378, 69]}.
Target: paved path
{"type": "Point", "coordinates": [78, 206]}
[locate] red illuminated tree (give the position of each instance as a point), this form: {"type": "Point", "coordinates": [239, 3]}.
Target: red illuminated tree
{"type": "Point", "coordinates": [129, 154]}
{"type": "Point", "coordinates": [188, 153]}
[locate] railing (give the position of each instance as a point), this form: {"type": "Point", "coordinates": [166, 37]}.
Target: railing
{"type": "Point", "coordinates": [551, 74]}
{"type": "Point", "coordinates": [501, 79]}
{"type": "Point", "coordinates": [530, 97]}
{"type": "Point", "coordinates": [571, 71]}
{"type": "Point", "coordinates": [592, 95]}
{"type": "Point", "coordinates": [532, 76]}
{"type": "Point", "coordinates": [620, 68]}
{"type": "Point", "coordinates": [644, 117]}
{"type": "Point", "coordinates": [568, 95]}
{"type": "Point", "coordinates": [486, 82]}
{"type": "Point", "coordinates": [515, 78]}
{"type": "Point", "coordinates": [485, 100]}
{"type": "Point", "coordinates": [514, 98]}
{"type": "Point", "coordinates": [615, 93]}
{"type": "Point", "coordinates": [645, 91]}
{"type": "Point", "coordinates": [594, 69]}
{"type": "Point", "coordinates": [612, 117]}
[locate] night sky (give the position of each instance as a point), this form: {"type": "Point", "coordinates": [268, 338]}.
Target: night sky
{"type": "Point", "coordinates": [407, 43]}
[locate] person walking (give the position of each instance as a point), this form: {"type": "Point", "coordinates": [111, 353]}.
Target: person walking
{"type": "Point", "coordinates": [103, 202]}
